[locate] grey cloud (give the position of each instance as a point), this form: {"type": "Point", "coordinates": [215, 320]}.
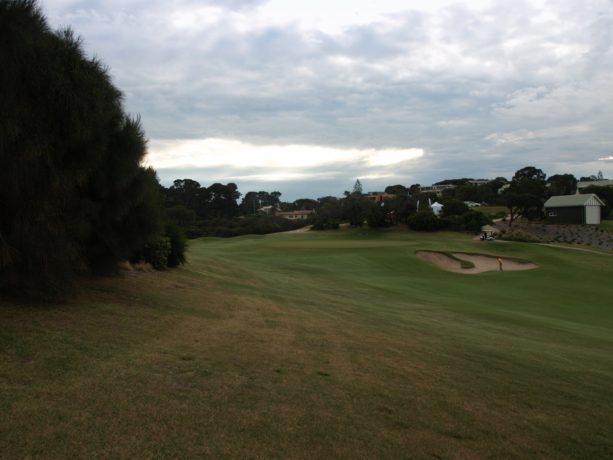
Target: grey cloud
{"type": "Point", "coordinates": [395, 84]}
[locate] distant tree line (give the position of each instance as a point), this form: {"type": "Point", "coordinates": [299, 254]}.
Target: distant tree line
{"type": "Point", "coordinates": [524, 195]}
{"type": "Point", "coordinates": [215, 210]}
{"type": "Point", "coordinates": [74, 196]}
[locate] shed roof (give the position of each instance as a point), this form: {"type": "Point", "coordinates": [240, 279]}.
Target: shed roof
{"type": "Point", "coordinates": [489, 228]}
{"type": "Point", "coordinates": [564, 201]}
{"type": "Point", "coordinates": [597, 183]}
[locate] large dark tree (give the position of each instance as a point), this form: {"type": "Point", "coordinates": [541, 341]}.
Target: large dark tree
{"type": "Point", "coordinates": [526, 194]}
{"type": "Point", "coordinates": [606, 195]}
{"type": "Point", "coordinates": [188, 193]}
{"type": "Point", "coordinates": [250, 203]}
{"type": "Point", "coordinates": [561, 184]}
{"type": "Point", "coordinates": [222, 202]}
{"type": "Point", "coordinates": [399, 190]}
{"type": "Point", "coordinates": [529, 180]}
{"type": "Point", "coordinates": [73, 194]}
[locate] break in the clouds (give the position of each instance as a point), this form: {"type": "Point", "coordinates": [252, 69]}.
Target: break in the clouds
{"type": "Point", "coordinates": [309, 96]}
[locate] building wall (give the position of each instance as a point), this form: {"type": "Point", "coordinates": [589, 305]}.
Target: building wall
{"type": "Point", "coordinates": [295, 216]}
{"type": "Point", "coordinates": [566, 215]}
{"type": "Point", "coordinates": [592, 215]}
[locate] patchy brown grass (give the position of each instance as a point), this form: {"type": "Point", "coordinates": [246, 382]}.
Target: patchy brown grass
{"type": "Point", "coordinates": [188, 364]}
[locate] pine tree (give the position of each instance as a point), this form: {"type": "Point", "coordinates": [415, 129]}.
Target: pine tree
{"type": "Point", "coordinates": [74, 196]}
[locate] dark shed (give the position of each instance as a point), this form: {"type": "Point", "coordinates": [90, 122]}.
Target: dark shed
{"type": "Point", "coordinates": [573, 209]}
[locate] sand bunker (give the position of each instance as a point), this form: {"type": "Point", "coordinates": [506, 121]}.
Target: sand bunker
{"type": "Point", "coordinates": [482, 263]}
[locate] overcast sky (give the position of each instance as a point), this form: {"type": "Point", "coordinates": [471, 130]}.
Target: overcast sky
{"type": "Point", "coordinates": [306, 96]}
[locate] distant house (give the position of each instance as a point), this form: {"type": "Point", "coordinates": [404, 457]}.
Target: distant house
{"type": "Point", "coordinates": [267, 209]}
{"type": "Point", "coordinates": [438, 189]}
{"type": "Point", "coordinates": [574, 209]}
{"type": "Point", "coordinates": [504, 188]}
{"type": "Point", "coordinates": [597, 183]}
{"type": "Point", "coordinates": [379, 197]}
{"type": "Point", "coordinates": [295, 215]}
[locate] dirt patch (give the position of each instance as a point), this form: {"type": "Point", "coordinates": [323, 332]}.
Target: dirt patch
{"type": "Point", "coordinates": [453, 262]}
{"type": "Point", "coordinates": [299, 230]}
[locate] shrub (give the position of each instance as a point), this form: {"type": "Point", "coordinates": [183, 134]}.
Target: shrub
{"type": "Point", "coordinates": [156, 253]}
{"type": "Point", "coordinates": [454, 208]}
{"type": "Point", "coordinates": [519, 235]}
{"type": "Point", "coordinates": [425, 221]}
{"type": "Point", "coordinates": [325, 224]}
{"type": "Point", "coordinates": [74, 195]}
{"type": "Point", "coordinates": [178, 246]}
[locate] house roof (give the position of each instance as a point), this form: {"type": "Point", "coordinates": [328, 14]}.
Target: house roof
{"type": "Point", "coordinates": [563, 201]}
{"type": "Point", "coordinates": [597, 183]}
{"type": "Point", "coordinates": [284, 213]}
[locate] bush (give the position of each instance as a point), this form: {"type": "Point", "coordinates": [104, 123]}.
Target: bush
{"type": "Point", "coordinates": [454, 208]}
{"type": "Point", "coordinates": [156, 253]}
{"type": "Point", "coordinates": [74, 196]}
{"type": "Point", "coordinates": [325, 224]}
{"type": "Point", "coordinates": [472, 221]}
{"type": "Point", "coordinates": [255, 225]}
{"type": "Point", "coordinates": [376, 216]}
{"type": "Point", "coordinates": [178, 246]}
{"type": "Point", "coordinates": [425, 221]}
{"type": "Point", "coordinates": [518, 235]}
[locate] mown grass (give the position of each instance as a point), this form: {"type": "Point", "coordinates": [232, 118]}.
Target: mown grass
{"type": "Point", "coordinates": [318, 345]}
{"type": "Point", "coordinates": [492, 210]}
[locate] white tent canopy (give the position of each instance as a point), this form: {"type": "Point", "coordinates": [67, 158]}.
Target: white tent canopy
{"type": "Point", "coordinates": [436, 208]}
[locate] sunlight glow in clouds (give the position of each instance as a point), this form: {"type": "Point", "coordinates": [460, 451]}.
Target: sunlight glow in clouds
{"type": "Point", "coordinates": [483, 87]}
{"type": "Point", "coordinates": [212, 152]}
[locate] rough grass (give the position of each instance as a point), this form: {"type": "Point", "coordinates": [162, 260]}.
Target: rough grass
{"type": "Point", "coordinates": [607, 225]}
{"type": "Point", "coordinates": [319, 345]}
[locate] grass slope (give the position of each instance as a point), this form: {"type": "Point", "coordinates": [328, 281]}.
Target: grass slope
{"type": "Point", "coordinates": [318, 345]}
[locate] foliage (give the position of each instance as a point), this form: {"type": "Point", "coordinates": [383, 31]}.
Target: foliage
{"type": "Point", "coordinates": [425, 221]}
{"type": "Point", "coordinates": [178, 246]}
{"type": "Point", "coordinates": [357, 187]}
{"type": "Point", "coordinates": [561, 184]}
{"type": "Point", "coordinates": [215, 201]}
{"type": "Point", "coordinates": [606, 195]}
{"type": "Point", "coordinates": [376, 215]}
{"type": "Point", "coordinates": [157, 252]}
{"type": "Point", "coordinates": [398, 209]}
{"type": "Point", "coordinates": [328, 216]}
{"type": "Point", "coordinates": [526, 194]}
{"type": "Point", "coordinates": [354, 209]}
{"type": "Point", "coordinates": [453, 208]}
{"type": "Point", "coordinates": [398, 190]}
{"type": "Point", "coordinates": [518, 235]}
{"type": "Point", "coordinates": [325, 224]}
{"type": "Point", "coordinates": [251, 225]}
{"type": "Point", "coordinates": [594, 177]}
{"type": "Point", "coordinates": [301, 204]}
{"type": "Point", "coordinates": [74, 196]}
{"type": "Point", "coordinates": [470, 221]}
